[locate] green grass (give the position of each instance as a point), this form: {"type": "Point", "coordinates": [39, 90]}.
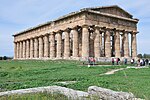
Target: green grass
{"type": "Point", "coordinates": [36, 73]}
{"type": "Point", "coordinates": [36, 96]}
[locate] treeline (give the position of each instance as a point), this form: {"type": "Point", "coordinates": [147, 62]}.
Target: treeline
{"type": "Point", "coordinates": [144, 55]}
{"type": "Point", "coordinates": [5, 58]}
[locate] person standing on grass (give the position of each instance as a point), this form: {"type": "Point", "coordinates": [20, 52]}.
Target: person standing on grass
{"type": "Point", "coordinates": [112, 61]}
{"type": "Point", "coordinates": [125, 61]}
{"type": "Point", "coordinates": [131, 61]}
{"type": "Point", "coordinates": [149, 62]}
{"type": "Point", "coordinates": [146, 61]}
{"type": "Point", "coordinates": [117, 61]}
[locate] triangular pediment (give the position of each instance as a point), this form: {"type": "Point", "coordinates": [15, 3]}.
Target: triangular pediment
{"type": "Point", "coordinates": [114, 10]}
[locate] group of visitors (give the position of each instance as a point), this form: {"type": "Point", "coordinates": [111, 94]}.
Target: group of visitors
{"type": "Point", "coordinates": [115, 60]}
{"type": "Point", "coordinates": [91, 61]}
{"type": "Point", "coordinates": [143, 62]}
{"type": "Point", "coordinates": [139, 62]}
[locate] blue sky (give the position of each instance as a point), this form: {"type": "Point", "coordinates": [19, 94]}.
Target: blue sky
{"type": "Point", "coordinates": [17, 15]}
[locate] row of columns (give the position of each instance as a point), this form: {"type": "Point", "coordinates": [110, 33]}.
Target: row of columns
{"type": "Point", "coordinates": [48, 46]}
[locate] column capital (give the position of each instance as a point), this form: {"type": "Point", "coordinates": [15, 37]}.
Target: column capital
{"type": "Point", "coordinates": [67, 30]}
{"type": "Point", "coordinates": [85, 26]}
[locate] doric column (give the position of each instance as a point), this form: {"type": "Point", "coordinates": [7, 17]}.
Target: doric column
{"type": "Point", "coordinates": [31, 48]}
{"type": "Point", "coordinates": [36, 48]}
{"type": "Point", "coordinates": [21, 50]}
{"type": "Point", "coordinates": [107, 44]}
{"type": "Point", "coordinates": [59, 44]}
{"type": "Point", "coordinates": [15, 50]}
{"type": "Point", "coordinates": [117, 44]}
{"type": "Point", "coordinates": [41, 47]}
{"type": "Point", "coordinates": [126, 45]}
{"type": "Point", "coordinates": [27, 49]}
{"type": "Point", "coordinates": [133, 44]}
{"type": "Point", "coordinates": [75, 42]}
{"type": "Point", "coordinates": [46, 46]}
{"type": "Point", "coordinates": [85, 41]}
{"type": "Point", "coordinates": [52, 45]}
{"type": "Point", "coordinates": [24, 49]}
{"type": "Point", "coordinates": [66, 44]}
{"type": "Point", "coordinates": [97, 43]}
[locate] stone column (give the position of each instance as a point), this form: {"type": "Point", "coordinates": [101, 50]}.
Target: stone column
{"type": "Point", "coordinates": [36, 48]}
{"type": "Point", "coordinates": [24, 49]}
{"type": "Point", "coordinates": [31, 48]}
{"type": "Point", "coordinates": [75, 42]}
{"type": "Point", "coordinates": [59, 44]}
{"type": "Point", "coordinates": [21, 49]}
{"type": "Point", "coordinates": [133, 44]}
{"type": "Point", "coordinates": [117, 44]}
{"type": "Point", "coordinates": [66, 44]}
{"type": "Point", "coordinates": [15, 50]}
{"type": "Point", "coordinates": [85, 41]}
{"type": "Point", "coordinates": [52, 45]}
{"type": "Point", "coordinates": [126, 45]}
{"type": "Point", "coordinates": [97, 43]}
{"type": "Point", "coordinates": [107, 44]}
{"type": "Point", "coordinates": [41, 47]}
{"type": "Point", "coordinates": [27, 49]}
{"type": "Point", "coordinates": [46, 46]}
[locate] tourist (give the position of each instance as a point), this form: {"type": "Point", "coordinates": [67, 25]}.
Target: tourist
{"type": "Point", "coordinates": [119, 61]}
{"type": "Point", "coordinates": [149, 62]}
{"type": "Point", "coordinates": [138, 62]}
{"type": "Point", "coordinates": [125, 61]}
{"type": "Point", "coordinates": [132, 61]}
{"type": "Point", "coordinates": [146, 62]}
{"type": "Point", "coordinates": [141, 62]}
{"type": "Point", "coordinates": [116, 61]}
{"type": "Point", "coordinates": [112, 61]}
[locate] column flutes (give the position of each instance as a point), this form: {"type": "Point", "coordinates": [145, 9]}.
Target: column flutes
{"type": "Point", "coordinates": [85, 41]}
{"type": "Point", "coordinates": [117, 44]}
{"type": "Point", "coordinates": [52, 45]}
{"type": "Point", "coordinates": [126, 45]}
{"type": "Point", "coordinates": [27, 49]}
{"type": "Point", "coordinates": [107, 44]}
{"type": "Point", "coordinates": [46, 46]}
{"type": "Point", "coordinates": [66, 44]}
{"type": "Point", "coordinates": [134, 45]}
{"type": "Point", "coordinates": [41, 53]}
{"type": "Point", "coordinates": [24, 49]}
{"type": "Point", "coordinates": [36, 48]}
{"type": "Point", "coordinates": [97, 43]}
{"type": "Point", "coordinates": [20, 55]}
{"type": "Point", "coordinates": [31, 48]}
{"type": "Point", "coordinates": [15, 50]}
{"type": "Point", "coordinates": [59, 44]}
{"type": "Point", "coordinates": [75, 42]}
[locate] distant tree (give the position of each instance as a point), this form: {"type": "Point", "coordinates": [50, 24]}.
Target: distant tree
{"type": "Point", "coordinates": [146, 56]}
{"type": "Point", "coordinates": [1, 58]}
{"type": "Point", "coordinates": [5, 58]}
{"type": "Point", "coordinates": [139, 56]}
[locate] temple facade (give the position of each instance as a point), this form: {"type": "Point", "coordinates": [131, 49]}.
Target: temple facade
{"type": "Point", "coordinates": [91, 32]}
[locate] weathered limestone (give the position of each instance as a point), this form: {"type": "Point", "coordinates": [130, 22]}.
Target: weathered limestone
{"type": "Point", "coordinates": [21, 45]}
{"type": "Point", "coordinates": [46, 46]}
{"type": "Point", "coordinates": [31, 48]}
{"type": "Point", "coordinates": [85, 41]}
{"type": "Point", "coordinates": [126, 45]}
{"type": "Point", "coordinates": [107, 94]}
{"type": "Point", "coordinates": [91, 32]}
{"type": "Point", "coordinates": [66, 44]}
{"type": "Point", "coordinates": [59, 44]}
{"type": "Point", "coordinates": [117, 44]}
{"type": "Point", "coordinates": [15, 50]}
{"type": "Point", "coordinates": [134, 45]}
{"type": "Point", "coordinates": [97, 43]}
{"type": "Point", "coordinates": [41, 47]}
{"type": "Point", "coordinates": [107, 44]}
{"type": "Point", "coordinates": [75, 42]}
{"type": "Point", "coordinates": [36, 48]}
{"type": "Point", "coordinates": [28, 49]}
{"type": "Point", "coordinates": [52, 45]}
{"type": "Point", "coordinates": [24, 49]}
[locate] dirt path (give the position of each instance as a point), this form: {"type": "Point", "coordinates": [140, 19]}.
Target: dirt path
{"type": "Point", "coordinates": [113, 71]}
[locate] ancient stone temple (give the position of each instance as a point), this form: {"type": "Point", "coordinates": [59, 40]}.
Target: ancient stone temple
{"type": "Point", "coordinates": [91, 32]}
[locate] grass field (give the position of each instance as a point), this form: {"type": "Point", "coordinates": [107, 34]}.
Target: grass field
{"type": "Point", "coordinates": [27, 74]}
